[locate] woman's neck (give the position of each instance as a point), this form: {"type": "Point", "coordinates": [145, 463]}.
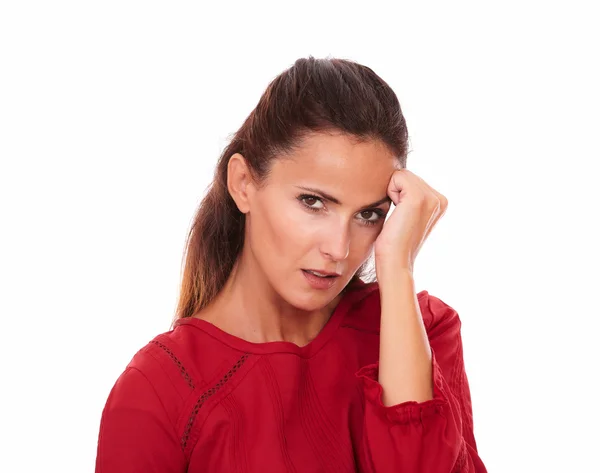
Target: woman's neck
{"type": "Point", "coordinates": [248, 307]}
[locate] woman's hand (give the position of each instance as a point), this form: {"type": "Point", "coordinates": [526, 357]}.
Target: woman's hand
{"type": "Point", "coordinates": [418, 209]}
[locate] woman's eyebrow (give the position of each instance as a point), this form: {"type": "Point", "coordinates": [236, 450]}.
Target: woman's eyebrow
{"type": "Point", "coordinates": [330, 198]}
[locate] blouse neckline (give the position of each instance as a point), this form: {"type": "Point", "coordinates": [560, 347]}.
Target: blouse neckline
{"type": "Point", "coordinates": [358, 290]}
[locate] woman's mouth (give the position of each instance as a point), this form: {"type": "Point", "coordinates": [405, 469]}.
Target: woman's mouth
{"type": "Point", "coordinates": [319, 280]}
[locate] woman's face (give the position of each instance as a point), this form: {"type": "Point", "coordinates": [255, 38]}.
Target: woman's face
{"type": "Point", "coordinates": [294, 223]}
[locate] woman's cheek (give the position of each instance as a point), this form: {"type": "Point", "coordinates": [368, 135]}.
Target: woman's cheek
{"type": "Point", "coordinates": [365, 240]}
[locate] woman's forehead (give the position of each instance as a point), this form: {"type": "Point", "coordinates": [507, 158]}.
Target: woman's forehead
{"type": "Point", "coordinates": [355, 173]}
{"type": "Point", "coordinates": [337, 157]}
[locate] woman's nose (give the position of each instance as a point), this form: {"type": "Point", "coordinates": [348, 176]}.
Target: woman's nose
{"type": "Point", "coordinates": [336, 243]}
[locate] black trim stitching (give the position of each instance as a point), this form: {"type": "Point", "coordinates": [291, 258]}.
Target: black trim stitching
{"type": "Point", "coordinates": [202, 399]}
{"type": "Point", "coordinates": [182, 369]}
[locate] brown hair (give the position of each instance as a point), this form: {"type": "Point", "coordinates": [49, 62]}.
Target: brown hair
{"type": "Point", "coordinates": [313, 95]}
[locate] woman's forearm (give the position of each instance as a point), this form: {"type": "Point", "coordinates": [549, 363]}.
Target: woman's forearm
{"type": "Point", "coordinates": [405, 370]}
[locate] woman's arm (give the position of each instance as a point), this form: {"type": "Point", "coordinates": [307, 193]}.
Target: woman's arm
{"type": "Point", "coordinates": [433, 435]}
{"type": "Point", "coordinates": [404, 352]}
{"type": "Point", "coordinates": [136, 433]}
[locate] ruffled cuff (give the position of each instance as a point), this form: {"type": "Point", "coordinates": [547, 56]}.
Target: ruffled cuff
{"type": "Point", "coordinates": [409, 411]}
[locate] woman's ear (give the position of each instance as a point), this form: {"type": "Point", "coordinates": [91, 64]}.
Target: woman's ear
{"type": "Point", "coordinates": [239, 182]}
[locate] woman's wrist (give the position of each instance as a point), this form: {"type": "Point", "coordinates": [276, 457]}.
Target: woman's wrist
{"type": "Point", "coordinates": [391, 275]}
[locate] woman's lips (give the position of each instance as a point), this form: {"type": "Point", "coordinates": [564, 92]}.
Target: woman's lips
{"type": "Point", "coordinates": [317, 282]}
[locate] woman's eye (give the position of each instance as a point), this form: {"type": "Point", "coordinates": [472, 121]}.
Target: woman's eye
{"type": "Point", "coordinates": [366, 214]}
{"type": "Point", "coordinates": [367, 217]}
{"type": "Point", "coordinates": [371, 217]}
{"type": "Point", "coordinates": [310, 202]}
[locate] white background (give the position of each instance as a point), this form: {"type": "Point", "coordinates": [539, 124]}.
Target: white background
{"type": "Point", "coordinates": [112, 116]}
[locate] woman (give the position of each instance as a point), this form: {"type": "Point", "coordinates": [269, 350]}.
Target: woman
{"type": "Point", "coordinates": [280, 358]}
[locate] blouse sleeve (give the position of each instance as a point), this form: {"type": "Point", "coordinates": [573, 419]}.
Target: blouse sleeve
{"type": "Point", "coordinates": [136, 433]}
{"type": "Point", "coordinates": [434, 436]}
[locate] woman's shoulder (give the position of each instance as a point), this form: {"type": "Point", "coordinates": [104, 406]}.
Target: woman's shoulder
{"type": "Point", "coordinates": [170, 372]}
{"type": "Point", "coordinates": [184, 357]}
{"type": "Point", "coordinates": [162, 387]}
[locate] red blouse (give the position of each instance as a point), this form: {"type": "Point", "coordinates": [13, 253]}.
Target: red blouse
{"type": "Point", "coordinates": [197, 399]}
